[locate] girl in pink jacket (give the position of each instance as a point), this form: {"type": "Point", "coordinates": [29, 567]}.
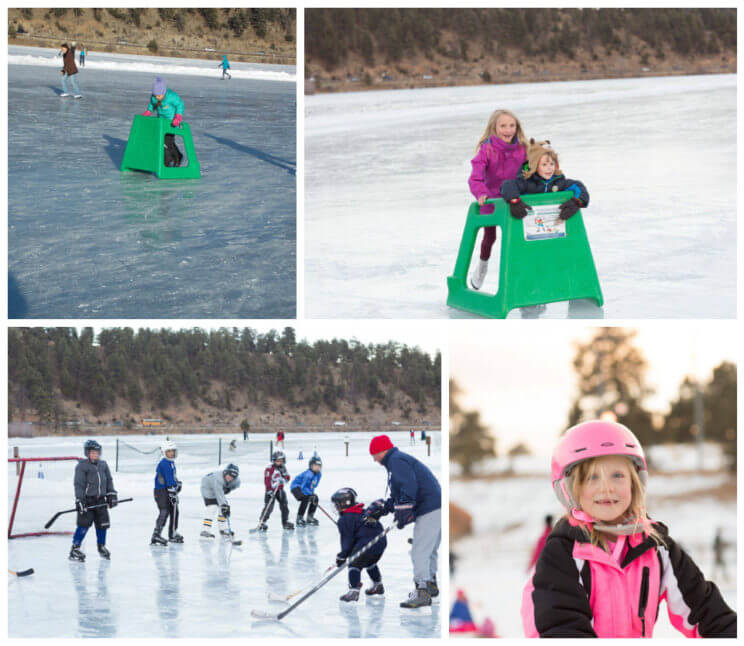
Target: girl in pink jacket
{"type": "Point", "coordinates": [606, 567]}
{"type": "Point", "coordinates": [500, 153]}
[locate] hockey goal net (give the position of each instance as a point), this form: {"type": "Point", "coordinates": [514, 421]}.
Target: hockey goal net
{"type": "Point", "coordinates": [47, 488]}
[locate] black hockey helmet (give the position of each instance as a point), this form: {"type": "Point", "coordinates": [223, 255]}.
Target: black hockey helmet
{"type": "Point", "coordinates": [278, 455]}
{"type": "Point", "coordinates": [231, 470]}
{"type": "Point", "coordinates": [315, 460]}
{"type": "Point", "coordinates": [92, 445]}
{"type": "Point", "coordinates": [344, 498]}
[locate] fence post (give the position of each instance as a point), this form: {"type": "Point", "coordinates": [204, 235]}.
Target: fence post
{"type": "Point", "coordinates": [428, 445]}
{"type": "Point", "coordinates": [219, 451]}
{"type": "Point", "coordinates": [271, 449]}
{"type": "Point", "coordinates": [18, 464]}
{"type": "Point", "coordinates": [116, 468]}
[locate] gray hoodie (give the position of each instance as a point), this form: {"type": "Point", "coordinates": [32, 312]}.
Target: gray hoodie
{"type": "Point", "coordinates": [213, 485]}
{"type": "Point", "coordinates": [92, 480]}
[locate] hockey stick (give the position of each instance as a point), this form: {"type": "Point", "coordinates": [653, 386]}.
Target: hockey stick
{"type": "Point", "coordinates": [265, 511]}
{"type": "Point", "coordinates": [262, 614]}
{"type": "Point", "coordinates": [69, 511]}
{"type": "Point", "coordinates": [230, 534]}
{"type": "Point", "coordinates": [288, 597]}
{"type": "Point", "coordinates": [22, 572]}
{"type": "Point", "coordinates": [333, 520]}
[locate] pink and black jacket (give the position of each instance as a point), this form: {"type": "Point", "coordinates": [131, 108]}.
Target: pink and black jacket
{"type": "Point", "coordinates": [579, 590]}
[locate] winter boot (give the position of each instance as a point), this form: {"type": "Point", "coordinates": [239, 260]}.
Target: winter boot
{"type": "Point", "coordinates": [300, 522]}
{"type": "Point", "coordinates": [105, 554]}
{"type": "Point", "coordinates": [432, 588]}
{"type": "Point", "coordinates": [311, 520]}
{"type": "Point", "coordinates": [263, 527]}
{"type": "Point", "coordinates": [479, 274]}
{"type": "Point", "coordinates": [288, 525]}
{"type": "Point", "coordinates": [417, 599]}
{"type": "Point", "coordinates": [351, 595]}
{"type": "Point", "coordinates": [157, 539]}
{"type": "Point", "coordinates": [176, 538]}
{"type": "Point", "coordinates": [205, 534]}
{"type": "Point", "coordinates": [76, 554]}
{"type": "Point", "coordinates": [377, 588]}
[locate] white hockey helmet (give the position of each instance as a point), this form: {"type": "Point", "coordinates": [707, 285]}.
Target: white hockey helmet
{"type": "Point", "coordinates": [169, 445]}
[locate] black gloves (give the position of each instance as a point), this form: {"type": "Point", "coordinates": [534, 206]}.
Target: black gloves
{"type": "Point", "coordinates": [340, 560]}
{"type": "Point", "coordinates": [80, 506]}
{"type": "Point", "coordinates": [375, 510]}
{"type": "Point", "coordinates": [173, 495]}
{"type": "Point", "coordinates": [179, 486]}
{"type": "Point", "coordinates": [112, 499]}
{"type": "Point", "coordinates": [403, 515]}
{"type": "Point", "coordinates": [569, 208]}
{"type": "Point", "coordinates": [519, 209]}
{"type": "Point", "coordinates": [225, 511]}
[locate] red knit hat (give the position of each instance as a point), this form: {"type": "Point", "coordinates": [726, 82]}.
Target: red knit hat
{"type": "Point", "coordinates": [379, 444]}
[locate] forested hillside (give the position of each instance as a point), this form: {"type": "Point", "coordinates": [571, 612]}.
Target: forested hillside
{"type": "Point", "coordinates": [248, 34]}
{"type": "Point", "coordinates": [57, 374]}
{"type": "Point", "coordinates": [379, 46]}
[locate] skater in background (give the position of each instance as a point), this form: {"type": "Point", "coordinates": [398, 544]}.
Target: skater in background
{"type": "Point", "coordinates": [500, 153]}
{"type": "Point", "coordinates": [542, 174]}
{"type": "Point", "coordinates": [233, 445]}
{"type": "Point", "coordinates": [357, 528]}
{"type": "Point", "coordinates": [69, 70]}
{"type": "Point", "coordinates": [719, 558]}
{"type": "Point", "coordinates": [166, 104]}
{"type": "Point", "coordinates": [460, 619]}
{"type": "Point", "coordinates": [303, 489]}
{"type": "Point", "coordinates": [548, 527]}
{"type": "Point", "coordinates": [167, 488]}
{"type": "Point", "coordinates": [275, 475]}
{"type": "Point", "coordinates": [606, 566]}
{"type": "Point", "coordinates": [423, 435]}
{"type": "Point", "coordinates": [82, 56]}
{"type": "Point", "coordinates": [93, 486]}
{"type": "Point", "coordinates": [412, 437]}
{"type": "Point", "coordinates": [225, 65]}
{"type": "Point", "coordinates": [415, 497]}
{"type": "Point", "coordinates": [215, 487]}
{"type": "Point", "coordinates": [280, 439]}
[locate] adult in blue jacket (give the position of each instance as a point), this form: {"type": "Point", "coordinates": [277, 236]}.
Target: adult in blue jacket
{"type": "Point", "coordinates": [303, 489]}
{"type": "Point", "coordinates": [166, 104]}
{"type": "Point", "coordinates": [167, 488]}
{"type": "Point", "coordinates": [225, 65]}
{"type": "Point", "coordinates": [415, 497]}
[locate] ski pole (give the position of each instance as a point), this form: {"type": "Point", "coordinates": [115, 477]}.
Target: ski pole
{"type": "Point", "coordinates": [69, 511]}
{"type": "Point", "coordinates": [269, 615]}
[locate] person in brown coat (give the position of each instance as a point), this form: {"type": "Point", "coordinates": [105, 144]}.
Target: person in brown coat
{"type": "Point", "coordinates": [69, 70]}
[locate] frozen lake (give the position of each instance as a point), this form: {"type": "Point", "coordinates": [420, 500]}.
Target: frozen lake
{"type": "Point", "coordinates": [386, 192]}
{"type": "Point", "coordinates": [87, 241]}
{"type": "Point", "coordinates": [204, 589]}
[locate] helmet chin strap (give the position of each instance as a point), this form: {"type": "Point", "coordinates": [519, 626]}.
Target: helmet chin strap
{"type": "Point", "coordinates": [621, 529]}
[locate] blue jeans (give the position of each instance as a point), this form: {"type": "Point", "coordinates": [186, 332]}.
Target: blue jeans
{"type": "Point", "coordinates": [73, 80]}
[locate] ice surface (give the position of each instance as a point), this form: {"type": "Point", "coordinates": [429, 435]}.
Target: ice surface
{"type": "Point", "coordinates": [508, 514]}
{"type": "Point", "coordinates": [87, 241]}
{"type": "Point", "coordinates": [386, 192]}
{"type": "Point", "coordinates": [203, 589]}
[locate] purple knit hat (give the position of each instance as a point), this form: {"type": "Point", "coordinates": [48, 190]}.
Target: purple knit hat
{"type": "Point", "coordinates": [158, 87]}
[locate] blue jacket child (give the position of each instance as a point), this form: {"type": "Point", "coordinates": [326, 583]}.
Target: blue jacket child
{"type": "Point", "coordinates": [303, 489]}
{"type": "Point", "coordinates": [357, 528]}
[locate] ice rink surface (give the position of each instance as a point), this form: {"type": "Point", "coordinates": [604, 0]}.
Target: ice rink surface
{"type": "Point", "coordinates": [203, 588]}
{"type": "Point", "coordinates": [88, 241]}
{"type": "Point", "coordinates": [386, 193]}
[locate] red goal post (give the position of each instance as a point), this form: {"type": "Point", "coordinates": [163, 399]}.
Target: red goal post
{"type": "Point", "coordinates": [22, 462]}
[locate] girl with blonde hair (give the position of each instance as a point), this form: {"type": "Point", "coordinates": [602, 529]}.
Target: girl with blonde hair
{"type": "Point", "coordinates": [606, 567]}
{"type": "Point", "coordinates": [500, 153]}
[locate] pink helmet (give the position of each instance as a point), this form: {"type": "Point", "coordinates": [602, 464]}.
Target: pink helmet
{"type": "Point", "coordinates": [591, 440]}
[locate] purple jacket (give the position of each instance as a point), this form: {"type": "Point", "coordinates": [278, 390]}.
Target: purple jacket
{"type": "Point", "coordinates": [495, 162]}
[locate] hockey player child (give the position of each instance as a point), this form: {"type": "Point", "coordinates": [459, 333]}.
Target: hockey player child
{"type": "Point", "coordinates": [542, 174]}
{"type": "Point", "coordinates": [93, 486]}
{"type": "Point", "coordinates": [357, 527]}
{"type": "Point", "coordinates": [275, 475]}
{"type": "Point", "coordinates": [166, 104]}
{"type": "Point", "coordinates": [167, 488]}
{"type": "Point", "coordinates": [214, 489]}
{"type": "Point", "coordinates": [303, 489]}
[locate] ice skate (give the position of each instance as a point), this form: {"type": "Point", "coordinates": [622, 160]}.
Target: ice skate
{"type": "Point", "coordinates": [65, 94]}
{"type": "Point", "coordinates": [351, 595]}
{"type": "Point", "coordinates": [417, 599]}
{"type": "Point", "coordinates": [105, 554]}
{"type": "Point", "coordinates": [205, 534]}
{"type": "Point", "coordinates": [288, 526]}
{"type": "Point", "coordinates": [227, 533]}
{"type": "Point", "coordinates": [157, 539]}
{"type": "Point", "coordinates": [479, 274]}
{"type": "Point", "coordinates": [376, 588]}
{"type": "Point", "coordinates": [76, 554]}
{"type": "Point", "coordinates": [78, 96]}
{"type": "Point", "coordinates": [311, 520]}
{"type": "Point", "coordinates": [300, 522]}
{"type": "Point", "coordinates": [176, 538]}
{"type": "Point", "coordinates": [263, 527]}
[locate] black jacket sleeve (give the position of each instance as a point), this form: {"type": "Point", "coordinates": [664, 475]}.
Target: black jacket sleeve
{"type": "Point", "coordinates": [702, 599]}
{"type": "Point", "coordinates": [513, 188]}
{"type": "Point", "coordinates": [577, 188]}
{"type": "Point", "coordinates": [346, 529]}
{"type": "Point", "coordinates": [560, 602]}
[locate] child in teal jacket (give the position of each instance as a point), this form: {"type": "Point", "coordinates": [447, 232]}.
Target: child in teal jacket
{"type": "Point", "coordinates": [166, 104]}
